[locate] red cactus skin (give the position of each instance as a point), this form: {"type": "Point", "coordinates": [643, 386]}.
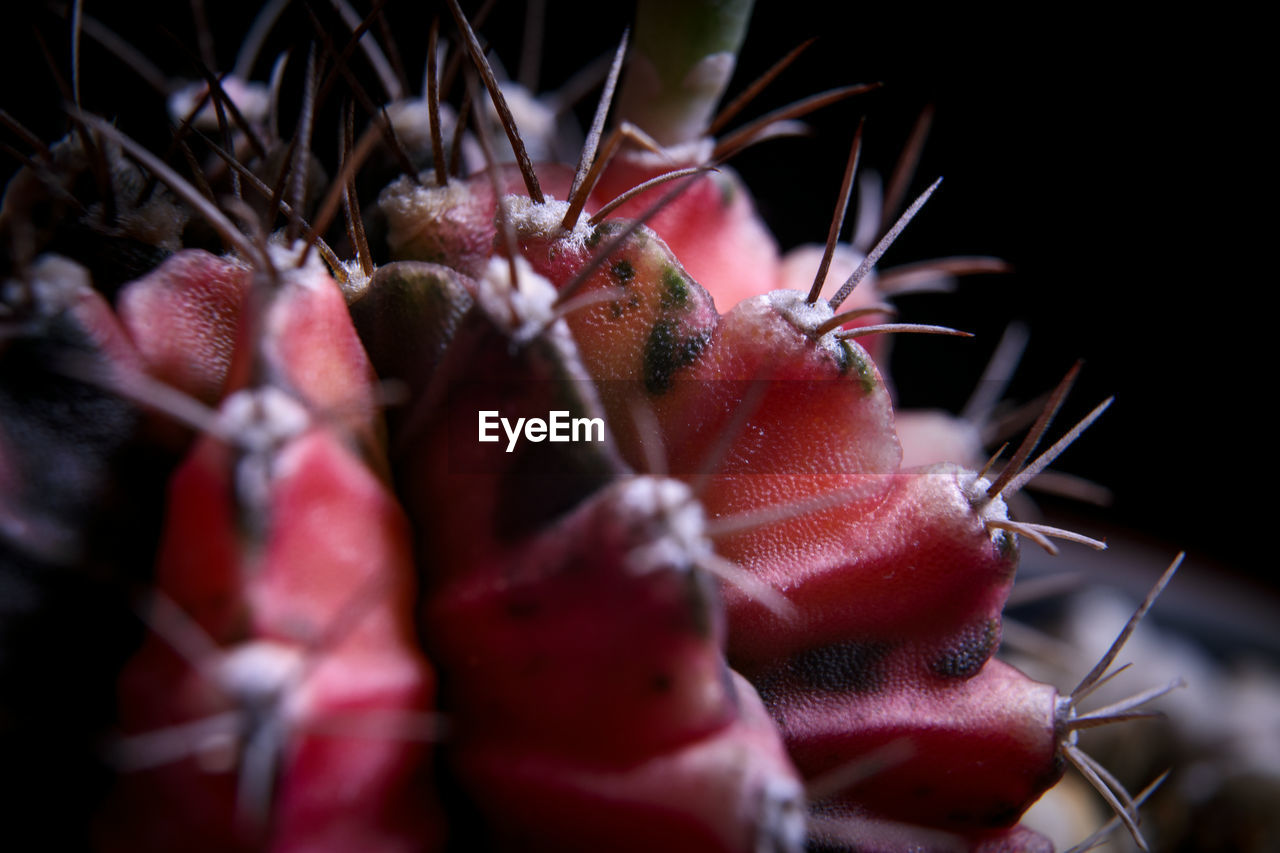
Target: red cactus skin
{"type": "Point", "coordinates": [659, 321]}
{"type": "Point", "coordinates": [731, 790]}
{"type": "Point", "coordinates": [690, 771]}
{"type": "Point", "coordinates": [294, 621]}
{"type": "Point", "coordinates": [712, 226]}
{"type": "Point", "coordinates": [917, 614]}
{"type": "Point", "coordinates": [798, 269]}
{"type": "Point", "coordinates": [851, 576]}
{"type": "Point", "coordinates": [64, 294]}
{"type": "Point", "coordinates": [188, 318]}
{"type": "Point", "coordinates": [904, 569]}
{"type": "Point", "coordinates": [267, 606]}
{"type": "Point", "coordinates": [303, 341]}
{"type": "Point", "coordinates": [996, 731]}
{"type": "Point", "coordinates": [183, 317]}
{"type": "Point", "coordinates": [820, 430]}
{"type": "Point", "coordinates": [550, 600]}
{"type": "Point", "coordinates": [789, 418]}
{"type": "Point", "coordinates": [454, 224]}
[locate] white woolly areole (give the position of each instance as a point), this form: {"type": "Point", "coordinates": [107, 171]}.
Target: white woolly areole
{"type": "Point", "coordinates": [258, 672]}
{"type": "Point", "coordinates": [408, 204]}
{"type": "Point", "coordinates": [666, 511]}
{"type": "Point", "coordinates": [806, 316]}
{"type": "Point", "coordinates": [285, 256]}
{"type": "Point", "coordinates": [523, 307]}
{"type": "Point", "coordinates": [542, 220]}
{"type": "Point", "coordinates": [781, 815]}
{"type": "Point", "coordinates": [261, 418]}
{"type": "Point", "coordinates": [55, 281]}
{"type": "Point", "coordinates": [252, 99]}
{"type": "Point", "coordinates": [355, 282]}
{"type": "Point", "coordinates": [975, 489]}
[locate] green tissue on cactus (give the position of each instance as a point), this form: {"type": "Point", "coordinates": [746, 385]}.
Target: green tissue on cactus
{"type": "Point", "coordinates": [684, 54]}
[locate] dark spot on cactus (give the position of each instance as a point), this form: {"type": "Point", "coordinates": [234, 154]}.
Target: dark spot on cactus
{"type": "Point", "coordinates": [1007, 545]}
{"type": "Point", "coordinates": [565, 476]}
{"type": "Point", "coordinates": [662, 682]}
{"type": "Point", "coordinates": [667, 351]}
{"type": "Point", "coordinates": [851, 357]}
{"type": "Point", "coordinates": [842, 667]}
{"type": "Point", "coordinates": [970, 652]}
{"type": "Point", "coordinates": [772, 688]}
{"type": "Point", "coordinates": [844, 357]}
{"type": "Point", "coordinates": [623, 272]}
{"type": "Point", "coordinates": [601, 231]}
{"type": "Point", "coordinates": [406, 319]}
{"type": "Point", "coordinates": [675, 290]}
{"type": "Point", "coordinates": [619, 308]}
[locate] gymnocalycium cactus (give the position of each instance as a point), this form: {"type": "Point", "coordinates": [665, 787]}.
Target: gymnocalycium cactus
{"type": "Point", "coordinates": [538, 508]}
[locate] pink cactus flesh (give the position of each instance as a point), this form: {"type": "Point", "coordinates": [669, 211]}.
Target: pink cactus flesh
{"type": "Point", "coordinates": [732, 616]}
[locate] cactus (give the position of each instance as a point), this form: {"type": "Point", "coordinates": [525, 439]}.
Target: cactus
{"type": "Point", "coordinates": [390, 597]}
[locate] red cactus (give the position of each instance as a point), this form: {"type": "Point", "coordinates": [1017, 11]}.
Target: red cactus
{"type": "Point", "coordinates": [285, 695]}
{"type": "Point", "coordinates": [288, 638]}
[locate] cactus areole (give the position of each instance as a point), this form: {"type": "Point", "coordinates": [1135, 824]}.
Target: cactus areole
{"type": "Point", "coordinates": [429, 494]}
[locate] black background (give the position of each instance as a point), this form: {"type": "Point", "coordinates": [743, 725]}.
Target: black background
{"type": "Point", "coordinates": [1113, 158]}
